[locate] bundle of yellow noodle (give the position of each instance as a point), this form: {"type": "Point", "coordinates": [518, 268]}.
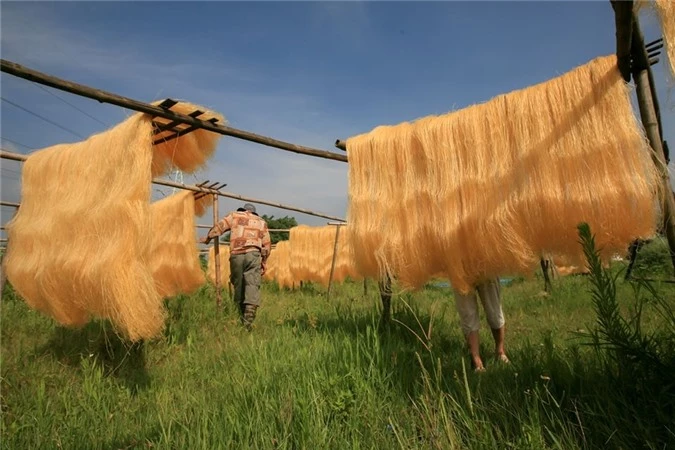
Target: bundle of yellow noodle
{"type": "Point", "coordinates": [300, 249]}
{"type": "Point", "coordinates": [311, 253]}
{"type": "Point", "coordinates": [224, 253]}
{"type": "Point", "coordinates": [344, 259]}
{"type": "Point", "coordinates": [279, 263]}
{"type": "Point", "coordinates": [272, 263]}
{"type": "Point", "coordinates": [189, 152]}
{"type": "Point", "coordinates": [80, 243]}
{"type": "Point", "coordinates": [482, 192]}
{"type": "Point", "coordinates": [174, 258]}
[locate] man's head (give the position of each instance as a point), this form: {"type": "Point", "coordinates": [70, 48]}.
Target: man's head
{"type": "Point", "coordinates": [248, 207]}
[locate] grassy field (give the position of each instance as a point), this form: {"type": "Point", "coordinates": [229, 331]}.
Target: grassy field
{"type": "Point", "coordinates": [318, 374]}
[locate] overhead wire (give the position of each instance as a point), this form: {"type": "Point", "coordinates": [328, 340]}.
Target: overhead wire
{"type": "Point", "coordinates": [43, 118]}
{"type": "Point", "coordinates": [71, 105]}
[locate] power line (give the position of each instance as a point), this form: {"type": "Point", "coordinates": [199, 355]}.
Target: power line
{"type": "Point", "coordinates": [70, 104]}
{"type": "Point", "coordinates": [43, 118]}
{"type": "Point", "coordinates": [17, 143]}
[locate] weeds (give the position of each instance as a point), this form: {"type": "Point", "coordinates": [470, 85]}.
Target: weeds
{"type": "Point", "coordinates": [318, 374]}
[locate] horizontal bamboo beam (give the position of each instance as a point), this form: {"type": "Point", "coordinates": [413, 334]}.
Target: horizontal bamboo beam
{"type": "Point", "coordinates": [187, 187]}
{"type": "Point", "coordinates": [15, 205]}
{"type": "Point", "coordinates": [342, 145]}
{"type": "Point", "coordinates": [21, 157]}
{"type": "Point", "coordinates": [12, 156]}
{"type": "Point", "coordinates": [279, 205]}
{"type": "Point", "coordinates": [276, 230]}
{"type": "Point", "coordinates": [114, 99]}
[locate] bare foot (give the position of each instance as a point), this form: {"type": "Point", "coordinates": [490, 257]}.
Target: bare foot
{"type": "Point", "coordinates": [477, 364]}
{"type": "Point", "coordinates": [502, 357]}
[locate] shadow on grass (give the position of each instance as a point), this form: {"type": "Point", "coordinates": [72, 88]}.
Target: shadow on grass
{"type": "Point", "coordinates": [118, 358]}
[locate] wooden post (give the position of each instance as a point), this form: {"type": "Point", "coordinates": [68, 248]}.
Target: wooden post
{"type": "Point", "coordinates": [385, 294]}
{"type": "Point", "coordinates": [547, 281]}
{"type": "Point", "coordinates": [365, 286]}
{"type": "Point", "coordinates": [623, 13]}
{"type": "Point", "coordinates": [332, 264]}
{"type": "Point", "coordinates": [2, 277]}
{"type": "Point", "coordinates": [650, 123]}
{"type": "Point", "coordinates": [216, 250]}
{"type": "Point", "coordinates": [632, 252]}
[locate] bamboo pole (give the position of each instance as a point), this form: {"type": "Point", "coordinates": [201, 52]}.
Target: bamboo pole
{"type": "Point", "coordinates": [547, 281]}
{"type": "Point", "coordinates": [278, 205]}
{"type": "Point", "coordinates": [623, 13]}
{"type": "Point", "coordinates": [632, 251]}
{"type": "Point", "coordinates": [651, 125]}
{"type": "Point", "coordinates": [12, 204]}
{"type": "Point", "coordinates": [277, 230]}
{"type": "Point", "coordinates": [114, 99]}
{"type": "Point", "coordinates": [385, 295]}
{"type": "Point", "coordinates": [2, 276]}
{"type": "Point", "coordinates": [216, 250]}
{"type": "Point", "coordinates": [332, 265]}
{"type": "Point", "coordinates": [21, 157]}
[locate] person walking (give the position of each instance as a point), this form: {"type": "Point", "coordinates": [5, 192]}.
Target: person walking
{"type": "Point", "coordinates": [250, 246]}
{"type": "Point", "coordinates": [467, 307]}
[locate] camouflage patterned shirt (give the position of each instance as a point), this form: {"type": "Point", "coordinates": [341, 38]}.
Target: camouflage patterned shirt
{"type": "Point", "coordinates": [248, 232]}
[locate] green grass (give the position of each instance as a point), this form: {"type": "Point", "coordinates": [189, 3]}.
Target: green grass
{"type": "Point", "coordinates": [317, 374]}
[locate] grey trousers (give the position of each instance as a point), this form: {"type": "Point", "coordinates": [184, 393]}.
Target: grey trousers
{"type": "Point", "coordinates": [245, 276]}
{"type": "Point", "coordinates": [467, 306]}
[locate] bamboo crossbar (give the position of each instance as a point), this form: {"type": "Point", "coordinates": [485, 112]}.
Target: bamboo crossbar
{"type": "Point", "coordinates": [15, 205]}
{"type": "Point", "coordinates": [156, 111]}
{"type": "Point", "coordinates": [271, 230]}
{"type": "Point", "coordinates": [20, 157]}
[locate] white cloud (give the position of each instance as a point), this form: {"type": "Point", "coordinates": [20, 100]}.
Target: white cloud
{"type": "Point", "coordinates": [41, 42]}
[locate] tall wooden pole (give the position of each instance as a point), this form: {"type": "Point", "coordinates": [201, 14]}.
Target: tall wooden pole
{"type": "Point", "coordinates": [632, 251]}
{"type": "Point", "coordinates": [547, 281]}
{"type": "Point", "coordinates": [385, 295]}
{"type": "Point", "coordinates": [216, 249]}
{"type": "Point", "coordinates": [332, 265]}
{"type": "Point", "coordinates": [651, 124]}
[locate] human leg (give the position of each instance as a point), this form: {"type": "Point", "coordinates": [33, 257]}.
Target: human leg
{"type": "Point", "coordinates": [467, 307]}
{"type": "Point", "coordinates": [252, 279]}
{"type": "Point", "coordinates": [237, 267]}
{"type": "Point", "coordinates": [490, 297]}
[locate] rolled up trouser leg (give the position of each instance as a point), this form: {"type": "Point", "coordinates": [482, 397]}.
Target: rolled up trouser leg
{"type": "Point", "coordinates": [490, 297]}
{"type": "Point", "coordinates": [467, 307]}
{"type": "Point", "coordinates": [249, 315]}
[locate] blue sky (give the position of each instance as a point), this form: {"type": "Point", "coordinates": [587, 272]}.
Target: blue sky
{"type": "Point", "coordinates": [304, 72]}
